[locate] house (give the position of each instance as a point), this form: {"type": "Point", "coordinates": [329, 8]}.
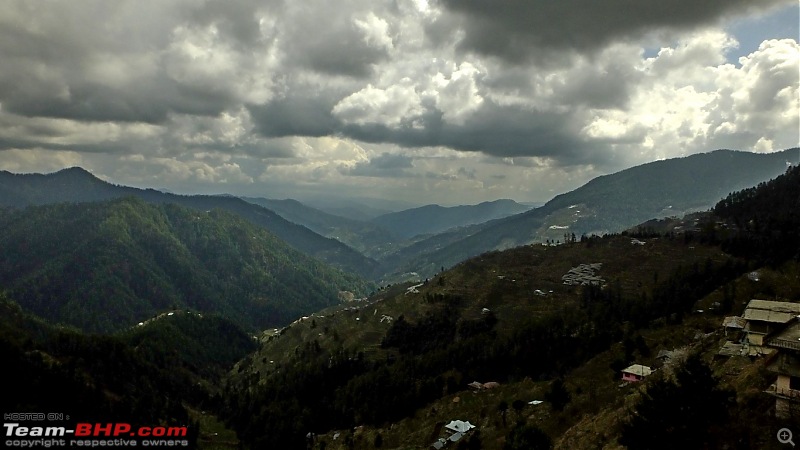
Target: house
{"type": "Point", "coordinates": [763, 318]}
{"type": "Point", "coordinates": [455, 437]}
{"type": "Point", "coordinates": [664, 357]}
{"type": "Point", "coordinates": [459, 426]}
{"type": "Point", "coordinates": [477, 385]}
{"type": "Point", "coordinates": [733, 324]}
{"type": "Point", "coordinates": [457, 429]}
{"type": "Point", "coordinates": [785, 363]}
{"type": "Point", "coordinates": [636, 372]}
{"type": "Point", "coordinates": [439, 444]}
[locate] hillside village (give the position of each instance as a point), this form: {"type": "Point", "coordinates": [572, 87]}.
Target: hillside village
{"type": "Point", "coordinates": [645, 354]}
{"type": "Point", "coordinates": [770, 331]}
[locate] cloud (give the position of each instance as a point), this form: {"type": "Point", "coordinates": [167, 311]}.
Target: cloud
{"type": "Point", "coordinates": [335, 39]}
{"type": "Point", "coordinates": [521, 31]}
{"type": "Point", "coordinates": [383, 165]}
{"type": "Point", "coordinates": [407, 98]}
{"type": "Point", "coordinates": [392, 106]}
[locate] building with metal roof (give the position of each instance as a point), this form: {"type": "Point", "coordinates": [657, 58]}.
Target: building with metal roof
{"type": "Point", "coordinates": [763, 318]}
{"type": "Point", "coordinates": [785, 363]}
{"type": "Point", "coordinates": [636, 372]}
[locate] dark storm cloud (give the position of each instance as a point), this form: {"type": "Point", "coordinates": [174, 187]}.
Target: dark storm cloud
{"type": "Point", "coordinates": [609, 88]}
{"type": "Point", "coordinates": [493, 130]}
{"type": "Point", "coordinates": [295, 116]}
{"type": "Point", "coordinates": [7, 143]}
{"type": "Point", "coordinates": [210, 87]}
{"type": "Point", "coordinates": [237, 20]}
{"type": "Point", "coordinates": [383, 165]}
{"type": "Point", "coordinates": [50, 67]}
{"type": "Point", "coordinates": [520, 30]}
{"type": "Point", "coordinates": [147, 102]}
{"type": "Point", "coordinates": [333, 51]}
{"type": "Point", "coordinates": [325, 38]}
{"type": "Point", "coordinates": [496, 130]}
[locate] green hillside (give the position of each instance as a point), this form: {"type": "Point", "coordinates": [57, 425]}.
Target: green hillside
{"type": "Point", "coordinates": [167, 371]}
{"type": "Point", "coordinates": [203, 345]}
{"type": "Point", "coordinates": [394, 369]}
{"type": "Point", "coordinates": [106, 266]}
{"type": "Point", "coordinates": [615, 202]}
{"type": "Point", "coordinates": [76, 185]}
{"type": "Point", "coordinates": [368, 238]}
{"type": "Point", "coordinates": [89, 378]}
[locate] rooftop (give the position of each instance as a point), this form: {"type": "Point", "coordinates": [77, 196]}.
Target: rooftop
{"type": "Point", "coordinates": [638, 369]}
{"type": "Point", "coordinates": [789, 338]}
{"type": "Point", "coordinates": [459, 426]}
{"type": "Point", "coordinates": [733, 322]}
{"type": "Point", "coordinates": [769, 311]}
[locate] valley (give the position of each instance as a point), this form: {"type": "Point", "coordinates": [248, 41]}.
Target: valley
{"type": "Point", "coordinates": [527, 343]}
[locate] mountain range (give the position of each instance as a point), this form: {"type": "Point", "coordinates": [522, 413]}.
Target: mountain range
{"type": "Point", "coordinates": [612, 203]}
{"type": "Point", "coordinates": [363, 235]}
{"type": "Point", "coordinates": [78, 185]}
{"type": "Point", "coordinates": [422, 240]}
{"type": "Point", "coordinates": [433, 219]}
{"type": "Point", "coordinates": [500, 340]}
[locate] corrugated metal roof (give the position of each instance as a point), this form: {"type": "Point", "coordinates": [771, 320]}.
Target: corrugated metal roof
{"type": "Point", "coordinates": [733, 322]}
{"type": "Point", "coordinates": [763, 315]}
{"type": "Point", "coordinates": [788, 307]}
{"type": "Point", "coordinates": [638, 369]}
{"type": "Point", "coordinates": [769, 311]}
{"type": "Point", "coordinates": [459, 426]}
{"type": "Point", "coordinates": [790, 335]}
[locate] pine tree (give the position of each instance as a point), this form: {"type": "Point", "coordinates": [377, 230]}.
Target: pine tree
{"type": "Point", "coordinates": [684, 412]}
{"type": "Point", "coordinates": [558, 396]}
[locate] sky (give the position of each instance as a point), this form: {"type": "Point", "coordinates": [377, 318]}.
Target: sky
{"type": "Point", "coordinates": [419, 101]}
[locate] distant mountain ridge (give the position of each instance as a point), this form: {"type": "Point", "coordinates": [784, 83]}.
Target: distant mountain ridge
{"type": "Point", "coordinates": [368, 238]}
{"type": "Point", "coordinates": [78, 185]}
{"type": "Point", "coordinates": [614, 202]}
{"type": "Point", "coordinates": [431, 219]}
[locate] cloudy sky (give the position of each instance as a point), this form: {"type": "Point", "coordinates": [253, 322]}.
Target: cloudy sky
{"type": "Point", "coordinates": [445, 101]}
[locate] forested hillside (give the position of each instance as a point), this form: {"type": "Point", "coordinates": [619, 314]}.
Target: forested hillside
{"type": "Point", "coordinates": [89, 378]}
{"type": "Point", "coordinates": [78, 185]}
{"type": "Point", "coordinates": [615, 202]}
{"type": "Point", "coordinates": [765, 219]}
{"type": "Point", "coordinates": [397, 368]}
{"type": "Point", "coordinates": [431, 219]}
{"type": "Point", "coordinates": [108, 265]}
{"type": "Point", "coordinates": [368, 238]}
